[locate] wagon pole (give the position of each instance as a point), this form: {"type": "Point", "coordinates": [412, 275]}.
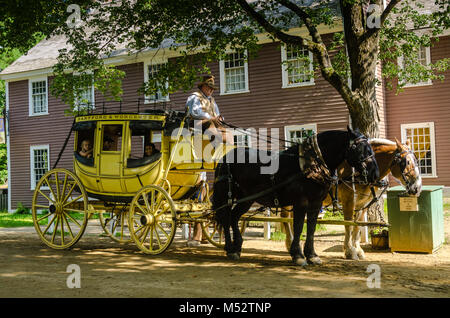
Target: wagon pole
{"type": "Point", "coordinates": [290, 220]}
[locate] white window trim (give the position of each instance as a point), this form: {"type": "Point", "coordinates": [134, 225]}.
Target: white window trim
{"type": "Point", "coordinates": [147, 63]}
{"type": "Point", "coordinates": [92, 92]}
{"type": "Point", "coordinates": [32, 174]}
{"type": "Point", "coordinates": [285, 73]}
{"type": "Point", "coordinates": [222, 76]}
{"type": "Point", "coordinates": [288, 129]}
{"type": "Point", "coordinates": [430, 125]}
{"type": "Point", "coordinates": [428, 61]}
{"type": "Point", "coordinates": [30, 98]}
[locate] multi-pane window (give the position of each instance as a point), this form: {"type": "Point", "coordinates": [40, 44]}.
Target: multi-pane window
{"type": "Point", "coordinates": [422, 56]}
{"type": "Point", "coordinates": [38, 97]}
{"type": "Point", "coordinates": [297, 66]}
{"type": "Point", "coordinates": [150, 72]}
{"type": "Point", "coordinates": [421, 136]}
{"type": "Point", "coordinates": [40, 164]}
{"type": "Point", "coordinates": [233, 73]}
{"type": "Point", "coordinates": [297, 133]}
{"type": "Point", "coordinates": [86, 100]}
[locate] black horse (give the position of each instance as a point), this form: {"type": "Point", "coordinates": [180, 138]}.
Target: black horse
{"type": "Point", "coordinates": [238, 185]}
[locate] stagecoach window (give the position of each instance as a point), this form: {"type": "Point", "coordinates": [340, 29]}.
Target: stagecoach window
{"type": "Point", "coordinates": [85, 134]}
{"type": "Point", "coordinates": [112, 137]}
{"type": "Point", "coordinates": [140, 138]}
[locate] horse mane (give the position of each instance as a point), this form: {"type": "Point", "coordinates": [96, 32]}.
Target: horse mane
{"type": "Point", "coordinates": [381, 142]}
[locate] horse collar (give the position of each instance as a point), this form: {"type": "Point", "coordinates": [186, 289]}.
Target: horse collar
{"type": "Point", "coordinates": [312, 164]}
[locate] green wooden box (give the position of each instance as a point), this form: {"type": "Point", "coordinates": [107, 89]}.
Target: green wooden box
{"type": "Point", "coordinates": [417, 223]}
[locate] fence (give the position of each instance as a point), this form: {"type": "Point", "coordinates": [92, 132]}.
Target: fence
{"type": "Point", "coordinates": [3, 202]}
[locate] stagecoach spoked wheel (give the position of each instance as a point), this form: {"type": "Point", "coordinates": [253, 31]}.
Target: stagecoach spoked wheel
{"type": "Point", "coordinates": [60, 208]}
{"type": "Point", "coordinates": [152, 219]}
{"type": "Point", "coordinates": [115, 225]}
{"type": "Point", "coordinates": [213, 232]}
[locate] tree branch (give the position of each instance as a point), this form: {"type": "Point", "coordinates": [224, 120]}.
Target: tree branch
{"type": "Point", "coordinates": [316, 46]}
{"type": "Point", "coordinates": [315, 35]}
{"type": "Point", "coordinates": [287, 38]}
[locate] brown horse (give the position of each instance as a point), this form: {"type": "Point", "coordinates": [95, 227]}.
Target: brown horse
{"type": "Point", "coordinates": [392, 157]}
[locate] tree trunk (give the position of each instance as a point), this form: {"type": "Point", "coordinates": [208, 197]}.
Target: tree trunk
{"type": "Point", "coordinates": [364, 114]}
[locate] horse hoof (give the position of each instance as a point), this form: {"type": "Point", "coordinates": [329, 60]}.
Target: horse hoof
{"type": "Point", "coordinates": [353, 257]}
{"type": "Point", "coordinates": [315, 260]}
{"type": "Point", "coordinates": [300, 261]}
{"type": "Point", "coordinates": [361, 256]}
{"type": "Point", "coordinates": [233, 256]}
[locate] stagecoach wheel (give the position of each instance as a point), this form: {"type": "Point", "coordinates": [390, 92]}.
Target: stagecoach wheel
{"type": "Point", "coordinates": [60, 208]}
{"type": "Point", "coordinates": [152, 220]}
{"type": "Point", "coordinates": [115, 225]}
{"type": "Point", "coordinates": [214, 232]}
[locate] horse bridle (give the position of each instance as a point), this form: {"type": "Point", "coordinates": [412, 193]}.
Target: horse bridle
{"type": "Point", "coordinates": [401, 161]}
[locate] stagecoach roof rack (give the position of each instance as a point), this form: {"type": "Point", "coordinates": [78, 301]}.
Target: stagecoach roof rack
{"type": "Point", "coordinates": [129, 106]}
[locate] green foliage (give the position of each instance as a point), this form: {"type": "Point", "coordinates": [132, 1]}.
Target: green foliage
{"type": "Point", "coordinates": [7, 56]}
{"type": "Point", "coordinates": [23, 23]}
{"type": "Point", "coordinates": [3, 164]}
{"type": "Point", "coordinates": [199, 32]}
{"type": "Point", "coordinates": [21, 209]}
{"type": "Point", "coordinates": [400, 39]}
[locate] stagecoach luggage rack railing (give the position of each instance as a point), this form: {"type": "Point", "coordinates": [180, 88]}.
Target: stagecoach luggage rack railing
{"type": "Point", "coordinates": [139, 105]}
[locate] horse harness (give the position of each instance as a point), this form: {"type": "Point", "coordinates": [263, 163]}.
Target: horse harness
{"type": "Point", "coordinates": [312, 166]}
{"type": "Point", "coordinates": [398, 159]}
{"type": "Point", "coordinates": [401, 161]}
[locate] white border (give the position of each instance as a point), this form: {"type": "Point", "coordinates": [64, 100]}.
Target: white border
{"type": "Point", "coordinates": [154, 61]}
{"type": "Point", "coordinates": [32, 175]}
{"type": "Point", "coordinates": [222, 76]}
{"type": "Point", "coordinates": [284, 71]}
{"type": "Point", "coordinates": [30, 99]}
{"type": "Point", "coordinates": [430, 125]}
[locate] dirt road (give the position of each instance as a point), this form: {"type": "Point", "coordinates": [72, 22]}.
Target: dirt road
{"type": "Point", "coordinates": [29, 269]}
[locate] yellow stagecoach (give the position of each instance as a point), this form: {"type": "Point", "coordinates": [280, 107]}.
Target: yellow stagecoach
{"type": "Point", "coordinates": [137, 196]}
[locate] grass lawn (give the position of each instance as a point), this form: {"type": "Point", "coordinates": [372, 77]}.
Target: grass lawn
{"type": "Point", "coordinates": [16, 220]}
{"type": "Point", "coordinates": [19, 220]}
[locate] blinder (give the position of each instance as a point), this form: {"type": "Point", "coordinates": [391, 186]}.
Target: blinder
{"type": "Point", "coordinates": [400, 160]}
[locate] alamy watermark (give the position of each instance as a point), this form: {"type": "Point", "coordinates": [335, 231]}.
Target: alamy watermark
{"type": "Point", "coordinates": [374, 18]}
{"type": "Point", "coordinates": [374, 279]}
{"type": "Point", "coordinates": [74, 19]}
{"type": "Point", "coordinates": [194, 147]}
{"type": "Point", "coordinates": [74, 279]}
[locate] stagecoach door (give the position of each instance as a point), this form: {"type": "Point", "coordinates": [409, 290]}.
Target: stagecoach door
{"type": "Point", "coordinates": [111, 161]}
